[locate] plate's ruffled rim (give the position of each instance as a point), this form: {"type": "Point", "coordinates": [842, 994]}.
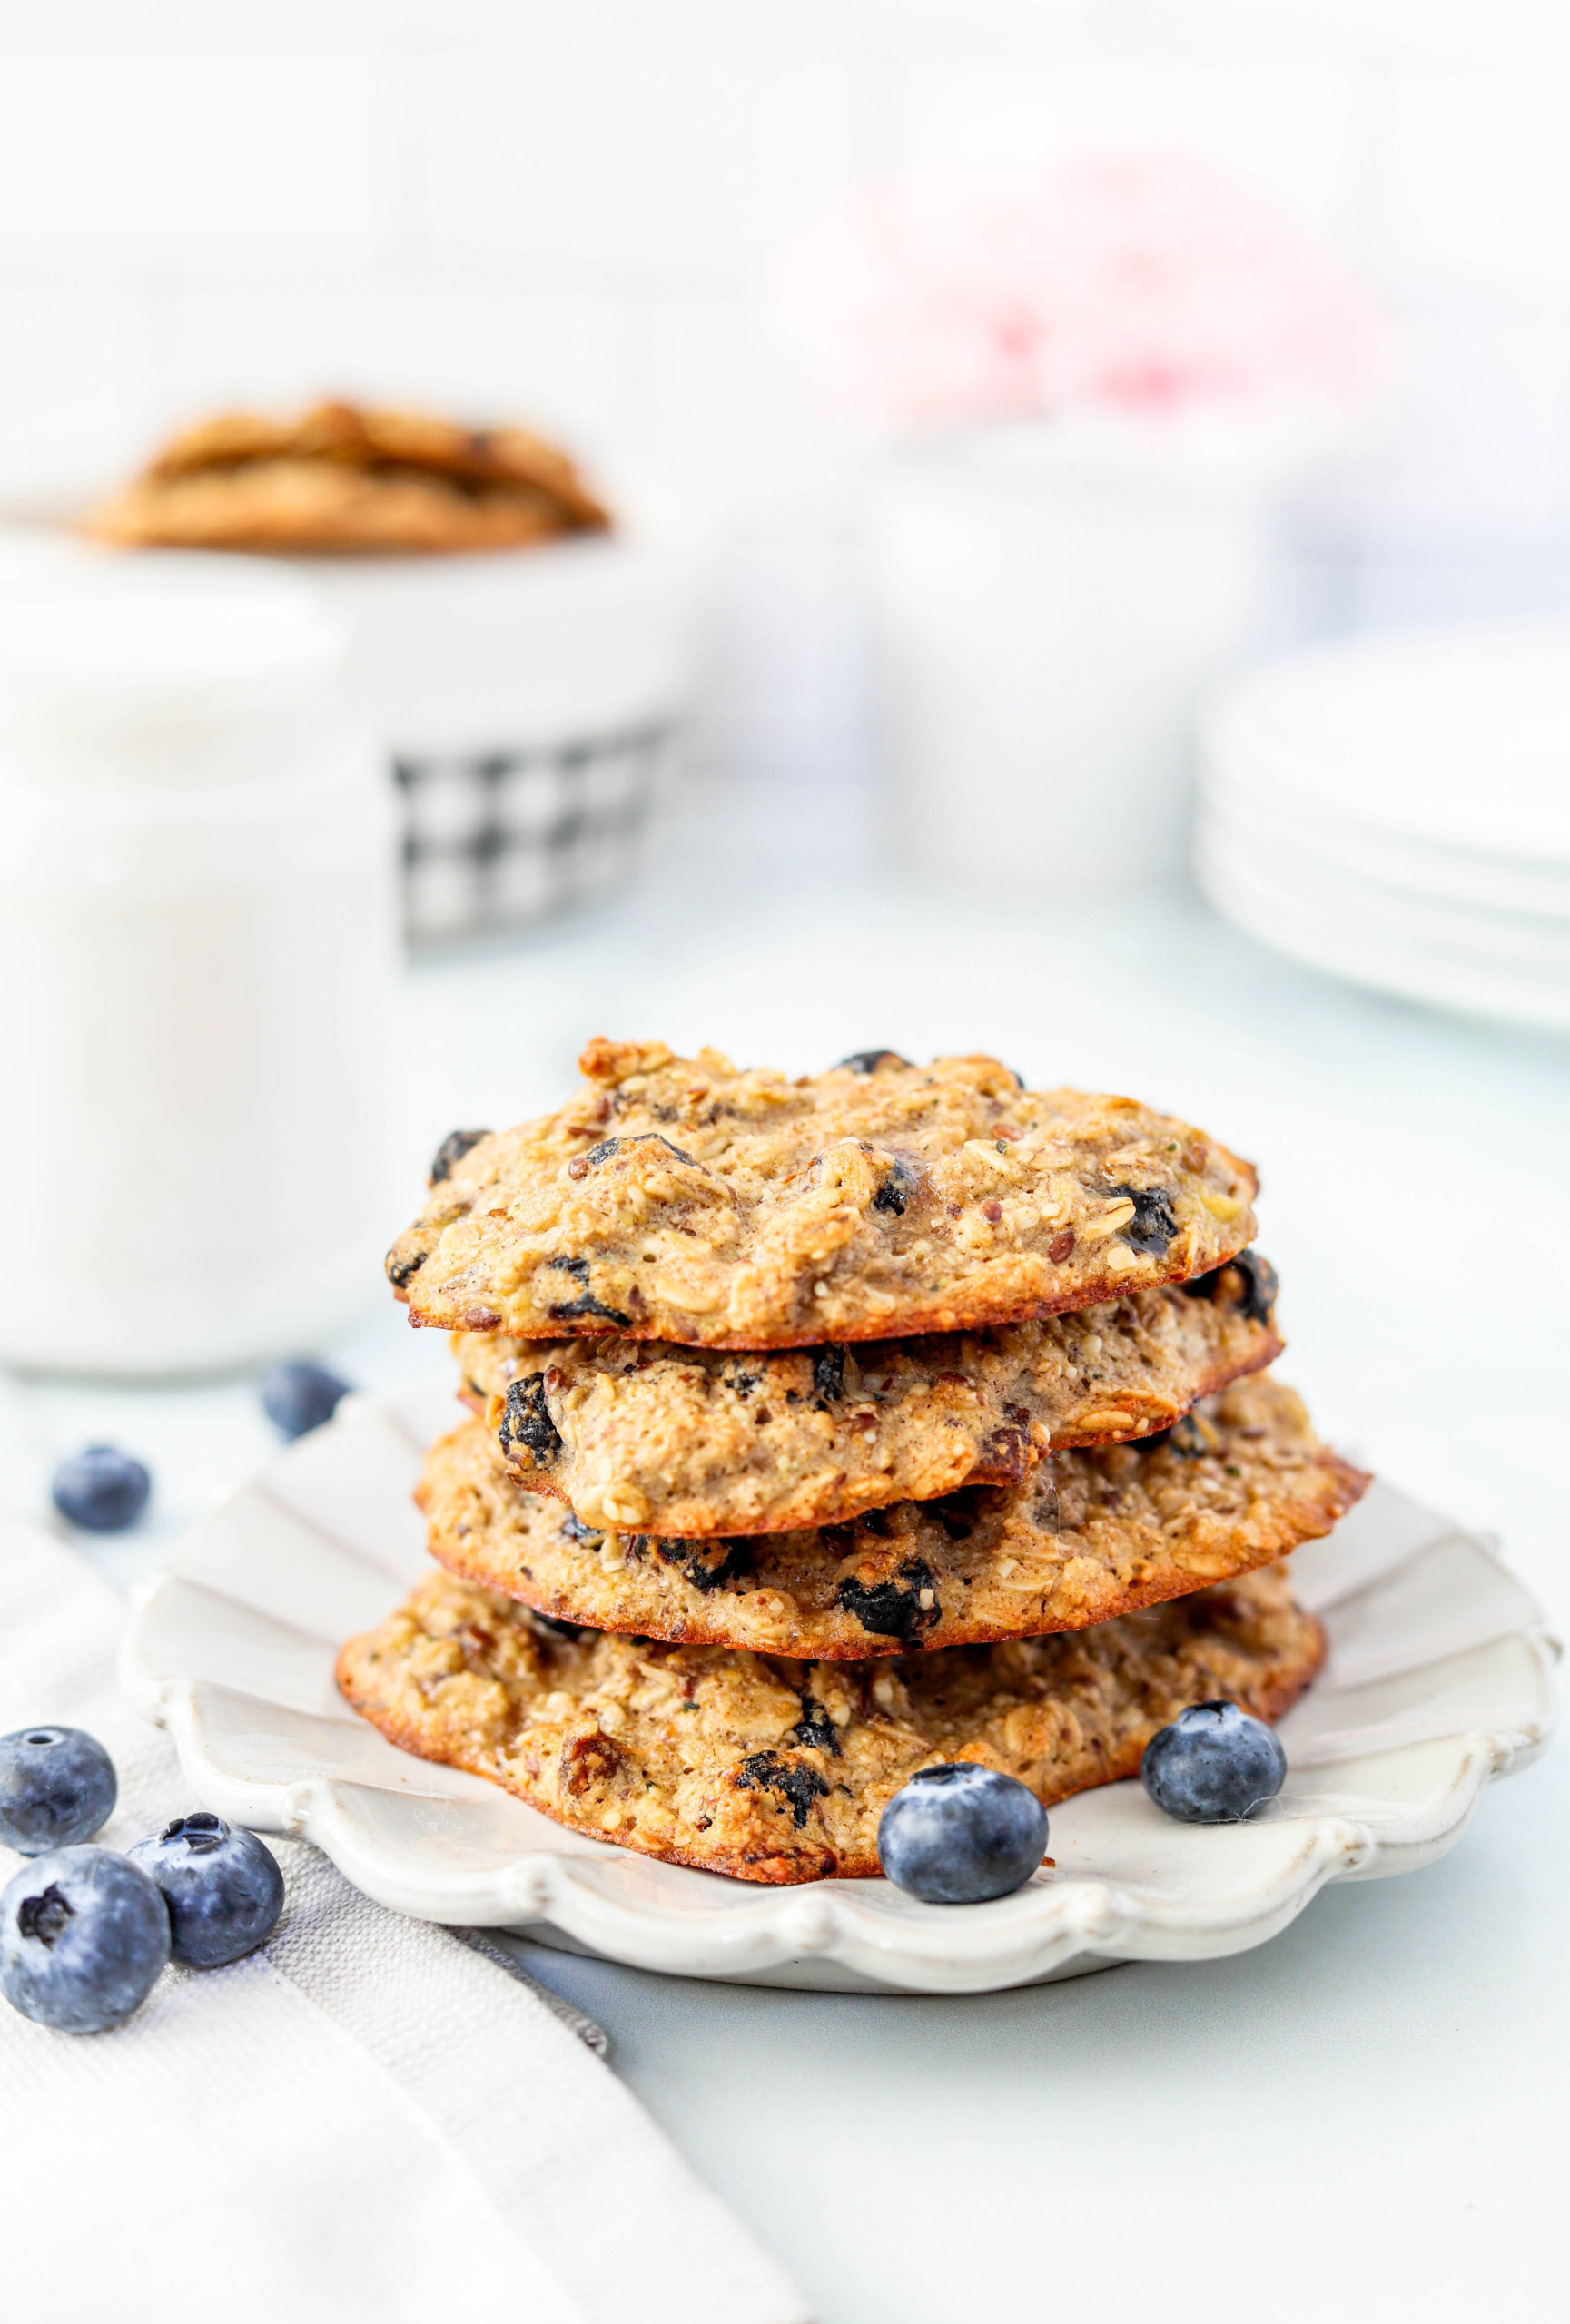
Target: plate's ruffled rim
{"type": "Point", "coordinates": [1438, 1679]}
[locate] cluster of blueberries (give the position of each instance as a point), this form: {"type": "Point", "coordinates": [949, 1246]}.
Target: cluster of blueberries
{"type": "Point", "coordinates": [103, 1490]}
{"type": "Point", "coordinates": [962, 1835]}
{"type": "Point", "coordinates": [84, 1933]}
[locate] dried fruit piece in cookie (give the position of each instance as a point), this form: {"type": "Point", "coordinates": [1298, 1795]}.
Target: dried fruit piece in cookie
{"type": "Point", "coordinates": [676, 1198]}
{"type": "Point", "coordinates": [1239, 1482]}
{"type": "Point", "coordinates": [688, 1440]}
{"type": "Point", "coordinates": [778, 1770]}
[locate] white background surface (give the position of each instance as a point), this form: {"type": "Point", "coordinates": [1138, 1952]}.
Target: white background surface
{"type": "Point", "coordinates": [1366, 2118]}
{"type": "Point", "coordinates": [574, 208]}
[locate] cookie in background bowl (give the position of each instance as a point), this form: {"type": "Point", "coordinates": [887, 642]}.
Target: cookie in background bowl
{"type": "Point", "coordinates": [346, 478]}
{"type": "Point", "coordinates": [524, 646]}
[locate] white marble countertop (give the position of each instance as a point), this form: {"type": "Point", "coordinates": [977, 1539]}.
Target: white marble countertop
{"type": "Point", "coordinates": [1366, 2116]}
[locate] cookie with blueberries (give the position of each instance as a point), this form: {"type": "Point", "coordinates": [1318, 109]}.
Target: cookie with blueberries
{"type": "Point", "coordinates": [779, 1770]}
{"type": "Point", "coordinates": [695, 1441]}
{"type": "Point", "coordinates": [682, 1200]}
{"type": "Point", "coordinates": [1090, 1535]}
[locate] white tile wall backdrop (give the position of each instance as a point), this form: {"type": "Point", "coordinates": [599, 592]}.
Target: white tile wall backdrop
{"type": "Point", "coordinates": [571, 208]}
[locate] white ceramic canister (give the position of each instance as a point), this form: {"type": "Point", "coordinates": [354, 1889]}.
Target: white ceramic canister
{"type": "Point", "coordinates": [1047, 618]}
{"type": "Point", "coordinates": [197, 964]}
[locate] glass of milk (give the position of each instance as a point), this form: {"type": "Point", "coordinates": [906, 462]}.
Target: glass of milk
{"type": "Point", "coordinates": [197, 965]}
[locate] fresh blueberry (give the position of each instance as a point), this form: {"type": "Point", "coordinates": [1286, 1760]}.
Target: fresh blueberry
{"type": "Point", "coordinates": [960, 1834]}
{"type": "Point", "coordinates": [57, 1786]}
{"type": "Point", "coordinates": [100, 1489]}
{"type": "Point", "coordinates": [83, 1935]}
{"type": "Point", "coordinates": [223, 1889]}
{"type": "Point", "coordinates": [1213, 1765]}
{"type": "Point", "coordinates": [298, 1398]}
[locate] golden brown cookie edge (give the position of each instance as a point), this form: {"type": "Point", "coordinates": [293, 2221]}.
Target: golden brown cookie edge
{"type": "Point", "coordinates": [1271, 1700]}
{"type": "Point", "coordinates": [1295, 1520]}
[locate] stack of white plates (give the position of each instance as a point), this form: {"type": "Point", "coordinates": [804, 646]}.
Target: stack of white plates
{"type": "Point", "coordinates": [1397, 810]}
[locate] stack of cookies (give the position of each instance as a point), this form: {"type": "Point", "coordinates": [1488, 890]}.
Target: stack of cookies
{"type": "Point", "coordinates": [823, 1431]}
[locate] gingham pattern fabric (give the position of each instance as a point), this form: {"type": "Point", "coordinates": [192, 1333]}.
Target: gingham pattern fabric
{"type": "Point", "coordinates": [492, 839]}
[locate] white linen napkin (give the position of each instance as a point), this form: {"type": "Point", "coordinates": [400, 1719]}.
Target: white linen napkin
{"type": "Point", "coordinates": [366, 2119]}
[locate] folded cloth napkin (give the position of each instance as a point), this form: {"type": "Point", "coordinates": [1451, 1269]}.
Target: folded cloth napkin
{"type": "Point", "coordinates": [366, 2119]}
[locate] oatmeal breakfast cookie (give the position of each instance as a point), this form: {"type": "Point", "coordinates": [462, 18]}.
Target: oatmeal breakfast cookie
{"type": "Point", "coordinates": [778, 1770]}
{"type": "Point", "coordinates": [347, 479]}
{"type": "Point", "coordinates": [634, 1433]}
{"type": "Point", "coordinates": [676, 1198]}
{"type": "Point", "coordinates": [1091, 1535]}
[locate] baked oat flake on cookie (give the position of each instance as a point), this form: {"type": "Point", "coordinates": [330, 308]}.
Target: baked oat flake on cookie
{"type": "Point", "coordinates": [1091, 1535]}
{"type": "Point", "coordinates": [679, 1198]}
{"type": "Point", "coordinates": [636, 1434]}
{"type": "Point", "coordinates": [778, 1770]}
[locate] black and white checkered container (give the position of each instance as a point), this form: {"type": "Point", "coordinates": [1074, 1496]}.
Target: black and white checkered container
{"type": "Point", "coordinates": [530, 704]}
{"type": "Point", "coordinates": [492, 839]}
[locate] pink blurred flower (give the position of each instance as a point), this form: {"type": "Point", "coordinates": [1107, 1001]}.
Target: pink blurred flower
{"type": "Point", "coordinates": [1143, 284]}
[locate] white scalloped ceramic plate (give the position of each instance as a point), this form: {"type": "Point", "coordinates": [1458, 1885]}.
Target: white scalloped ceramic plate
{"type": "Point", "coordinates": [1438, 1679]}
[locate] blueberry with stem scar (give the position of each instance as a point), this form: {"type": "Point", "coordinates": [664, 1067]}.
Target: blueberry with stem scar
{"type": "Point", "coordinates": [57, 1787]}
{"type": "Point", "coordinates": [83, 1939]}
{"type": "Point", "coordinates": [1213, 1765]}
{"type": "Point", "coordinates": [220, 1884]}
{"type": "Point", "coordinates": [962, 1835]}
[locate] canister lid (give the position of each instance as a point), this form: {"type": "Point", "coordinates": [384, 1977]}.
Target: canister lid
{"type": "Point", "coordinates": [164, 669]}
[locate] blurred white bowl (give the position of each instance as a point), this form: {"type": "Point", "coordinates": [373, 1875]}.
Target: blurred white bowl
{"type": "Point", "coordinates": [527, 700]}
